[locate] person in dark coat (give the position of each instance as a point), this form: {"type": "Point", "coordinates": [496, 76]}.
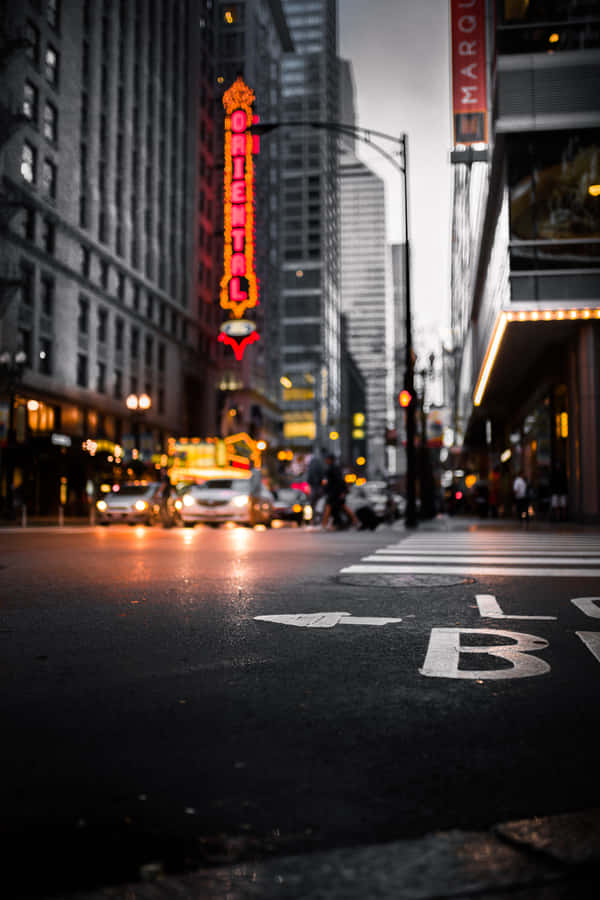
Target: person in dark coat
{"type": "Point", "coordinates": [335, 494]}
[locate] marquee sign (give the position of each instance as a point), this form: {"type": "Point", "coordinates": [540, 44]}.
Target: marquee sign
{"type": "Point", "coordinates": [469, 91]}
{"type": "Point", "coordinates": [239, 285]}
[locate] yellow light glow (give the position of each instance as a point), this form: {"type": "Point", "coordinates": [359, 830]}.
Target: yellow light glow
{"type": "Point", "coordinates": [360, 460]}
{"type": "Point", "coordinates": [573, 313]}
{"type": "Point", "coordinates": [333, 435]}
{"type": "Point", "coordinates": [560, 314]}
{"type": "Point", "coordinates": [594, 190]}
{"type": "Point", "coordinates": [586, 314]}
{"type": "Point", "coordinates": [299, 273]}
{"type": "Point", "coordinates": [285, 381]}
{"type": "Point", "coordinates": [261, 445]}
{"type": "Point", "coordinates": [547, 315]}
{"type": "Point", "coordinates": [522, 316]}
{"type": "Point", "coordinates": [32, 405]}
{"type": "Point", "coordinates": [358, 419]}
{"type": "Point", "coordinates": [470, 480]}
{"type": "Point", "coordinates": [228, 16]}
{"type": "Point", "coordinates": [101, 505]}
{"type": "Point", "coordinates": [564, 425]}
{"type": "Point", "coordinates": [360, 482]}
{"type": "Point", "coordinates": [506, 456]}
{"type": "Point", "coordinates": [554, 38]}
{"type": "Point", "coordinates": [534, 316]}
{"type": "Point", "coordinates": [490, 358]}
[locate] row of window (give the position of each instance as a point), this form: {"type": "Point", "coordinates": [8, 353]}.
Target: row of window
{"type": "Point", "coordinates": [30, 110]}
{"type": "Point", "coordinates": [102, 330]}
{"type": "Point", "coordinates": [30, 173]}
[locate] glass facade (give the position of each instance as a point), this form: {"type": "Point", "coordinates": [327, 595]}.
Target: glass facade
{"type": "Point", "coordinates": [554, 182]}
{"type": "Point", "coordinates": [548, 26]}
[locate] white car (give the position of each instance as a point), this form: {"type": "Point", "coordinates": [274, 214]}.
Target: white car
{"type": "Point", "coordinates": [135, 503]}
{"type": "Point", "coordinates": [226, 500]}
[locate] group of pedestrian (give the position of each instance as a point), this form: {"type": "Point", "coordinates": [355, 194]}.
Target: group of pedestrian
{"type": "Point", "coordinates": [525, 494]}
{"type": "Point", "coordinates": [325, 478]}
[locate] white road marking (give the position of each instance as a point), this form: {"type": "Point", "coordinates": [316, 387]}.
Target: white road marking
{"type": "Point", "coordinates": [588, 606]}
{"type": "Point", "coordinates": [470, 570]}
{"type": "Point", "coordinates": [591, 639]}
{"type": "Point", "coordinates": [325, 619]}
{"type": "Point", "coordinates": [489, 608]}
{"type": "Point", "coordinates": [480, 557]}
{"type": "Point", "coordinates": [445, 650]}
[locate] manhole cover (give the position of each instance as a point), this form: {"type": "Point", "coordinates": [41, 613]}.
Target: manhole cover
{"type": "Point", "coordinates": [405, 580]}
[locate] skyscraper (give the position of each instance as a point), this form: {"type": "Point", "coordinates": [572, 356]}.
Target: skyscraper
{"type": "Point", "coordinates": [364, 261]}
{"type": "Point", "coordinates": [310, 315]}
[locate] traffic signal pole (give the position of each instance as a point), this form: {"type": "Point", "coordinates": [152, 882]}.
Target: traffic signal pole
{"type": "Point", "coordinates": [410, 516]}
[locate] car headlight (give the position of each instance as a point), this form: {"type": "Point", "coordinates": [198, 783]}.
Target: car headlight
{"type": "Point", "coordinates": [178, 504]}
{"type": "Point", "coordinates": [188, 500]}
{"type": "Point", "coordinates": [101, 505]}
{"type": "Point", "coordinates": [140, 505]}
{"type": "Point", "coordinates": [241, 500]}
{"type": "Point", "coordinates": [296, 508]}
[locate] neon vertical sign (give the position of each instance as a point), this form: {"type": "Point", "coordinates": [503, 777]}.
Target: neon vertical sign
{"type": "Point", "coordinates": [239, 285]}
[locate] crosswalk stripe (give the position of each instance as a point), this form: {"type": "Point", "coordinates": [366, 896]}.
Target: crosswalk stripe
{"type": "Point", "coordinates": [476, 553]}
{"type": "Point", "coordinates": [467, 569]}
{"type": "Point", "coordinates": [478, 558]}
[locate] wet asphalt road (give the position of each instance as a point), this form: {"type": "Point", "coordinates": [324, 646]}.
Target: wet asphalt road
{"type": "Point", "coordinates": [148, 715]}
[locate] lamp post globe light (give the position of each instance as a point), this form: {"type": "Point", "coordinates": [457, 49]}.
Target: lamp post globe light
{"type": "Point", "coordinates": [367, 135]}
{"type": "Point", "coordinates": [137, 404]}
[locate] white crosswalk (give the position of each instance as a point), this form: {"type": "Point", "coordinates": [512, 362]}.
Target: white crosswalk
{"type": "Point", "coordinates": [486, 553]}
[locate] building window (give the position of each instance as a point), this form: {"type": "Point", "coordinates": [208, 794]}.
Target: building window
{"type": "Point", "coordinates": [27, 229]}
{"type": "Point", "coordinates": [120, 286]}
{"type": "Point", "coordinates": [27, 284]}
{"type": "Point", "coordinates": [52, 13]}
{"type": "Point", "coordinates": [47, 295]}
{"type": "Point", "coordinates": [45, 357]}
{"type": "Point", "coordinates": [101, 378]}
{"type": "Point", "coordinates": [48, 236]}
{"type": "Point", "coordinates": [30, 101]}
{"type": "Point", "coordinates": [148, 350]}
{"type": "Point", "coordinates": [28, 162]}
{"type": "Point", "coordinates": [83, 318]}
{"type": "Point", "coordinates": [134, 345]}
{"type": "Point", "coordinates": [50, 122]}
{"type": "Point", "coordinates": [51, 65]}
{"type": "Point", "coordinates": [119, 334]}
{"type": "Point", "coordinates": [554, 211]}
{"type": "Point", "coordinates": [102, 332]}
{"type": "Point", "coordinates": [82, 370]}
{"type": "Point", "coordinates": [32, 36]}
{"type": "Point", "coordinates": [49, 178]}
{"type": "Point", "coordinates": [104, 273]}
{"type": "Point", "coordinates": [85, 260]}
{"type": "Point", "coordinates": [118, 385]}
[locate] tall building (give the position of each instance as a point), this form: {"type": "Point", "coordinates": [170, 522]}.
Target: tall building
{"type": "Point", "coordinates": [310, 316]}
{"type": "Point", "coordinates": [526, 249]}
{"type": "Point", "coordinates": [363, 263]}
{"type": "Point", "coordinates": [103, 103]}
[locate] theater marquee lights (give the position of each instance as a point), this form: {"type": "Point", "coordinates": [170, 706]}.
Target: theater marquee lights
{"type": "Point", "coordinates": [239, 285]}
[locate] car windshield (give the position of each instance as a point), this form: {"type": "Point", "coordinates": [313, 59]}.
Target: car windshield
{"type": "Point", "coordinates": [223, 484]}
{"type": "Point", "coordinates": [286, 495]}
{"type": "Point", "coordinates": [132, 489]}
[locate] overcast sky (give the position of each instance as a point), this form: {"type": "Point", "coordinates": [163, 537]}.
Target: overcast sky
{"type": "Point", "coordinates": [399, 50]}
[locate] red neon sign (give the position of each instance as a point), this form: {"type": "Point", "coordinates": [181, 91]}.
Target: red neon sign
{"type": "Point", "coordinates": [239, 285]}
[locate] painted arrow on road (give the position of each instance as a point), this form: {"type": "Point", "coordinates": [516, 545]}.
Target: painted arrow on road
{"type": "Point", "coordinates": [325, 620]}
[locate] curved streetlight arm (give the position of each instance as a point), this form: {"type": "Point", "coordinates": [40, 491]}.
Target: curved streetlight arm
{"type": "Point", "coordinates": [363, 134]}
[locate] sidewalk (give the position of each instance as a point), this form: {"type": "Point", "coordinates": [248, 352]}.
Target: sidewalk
{"type": "Point", "coordinates": [550, 858]}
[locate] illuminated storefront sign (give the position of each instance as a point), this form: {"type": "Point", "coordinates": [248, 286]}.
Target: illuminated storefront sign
{"type": "Point", "coordinates": [239, 285]}
{"type": "Point", "coordinates": [469, 93]}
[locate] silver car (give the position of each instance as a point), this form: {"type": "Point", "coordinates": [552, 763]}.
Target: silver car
{"type": "Point", "coordinates": [221, 500]}
{"type": "Point", "coordinates": [134, 503]}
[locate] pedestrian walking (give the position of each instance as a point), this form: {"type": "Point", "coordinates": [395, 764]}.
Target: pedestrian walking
{"type": "Point", "coordinates": [520, 492]}
{"type": "Point", "coordinates": [335, 496]}
{"type": "Point", "coordinates": [315, 476]}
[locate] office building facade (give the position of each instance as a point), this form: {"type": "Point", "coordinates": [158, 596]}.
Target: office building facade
{"type": "Point", "coordinates": [310, 355]}
{"type": "Point", "coordinates": [526, 260]}
{"type": "Point", "coordinates": [99, 229]}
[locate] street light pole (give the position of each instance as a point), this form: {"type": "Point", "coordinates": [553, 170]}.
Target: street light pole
{"type": "Point", "coordinates": [366, 135]}
{"type": "Point", "coordinates": [410, 515]}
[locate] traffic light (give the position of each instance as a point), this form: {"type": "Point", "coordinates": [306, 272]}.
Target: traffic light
{"type": "Point", "coordinates": [405, 398]}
